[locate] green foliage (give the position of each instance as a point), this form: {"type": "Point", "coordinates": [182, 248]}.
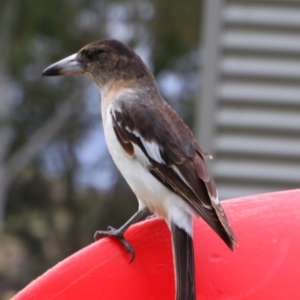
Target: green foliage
{"type": "Point", "coordinates": [51, 212]}
{"type": "Point", "coordinates": [176, 26]}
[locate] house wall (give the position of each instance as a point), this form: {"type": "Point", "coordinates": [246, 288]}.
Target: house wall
{"type": "Point", "coordinates": [248, 115]}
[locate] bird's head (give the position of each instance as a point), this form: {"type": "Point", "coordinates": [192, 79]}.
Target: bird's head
{"type": "Point", "coordinates": [103, 62]}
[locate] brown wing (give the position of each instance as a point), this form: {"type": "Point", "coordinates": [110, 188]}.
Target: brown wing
{"type": "Point", "coordinates": [176, 160]}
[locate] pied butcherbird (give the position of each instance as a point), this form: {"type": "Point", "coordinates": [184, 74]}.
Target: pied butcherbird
{"type": "Point", "coordinates": [154, 150]}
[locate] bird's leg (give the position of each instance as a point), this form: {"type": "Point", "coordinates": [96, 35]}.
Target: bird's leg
{"type": "Point", "coordinates": [119, 233]}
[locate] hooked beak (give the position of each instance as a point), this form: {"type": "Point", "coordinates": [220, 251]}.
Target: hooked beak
{"type": "Point", "coordinates": [67, 66]}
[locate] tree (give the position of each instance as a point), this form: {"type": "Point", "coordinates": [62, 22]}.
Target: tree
{"type": "Point", "coordinates": [48, 148]}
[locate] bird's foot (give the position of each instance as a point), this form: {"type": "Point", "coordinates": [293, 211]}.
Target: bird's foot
{"type": "Point", "coordinates": [117, 233]}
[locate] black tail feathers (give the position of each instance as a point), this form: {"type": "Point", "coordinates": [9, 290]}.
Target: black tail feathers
{"type": "Point", "coordinates": [183, 253]}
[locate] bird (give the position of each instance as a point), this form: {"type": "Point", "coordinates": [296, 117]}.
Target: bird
{"type": "Point", "coordinates": [154, 150]}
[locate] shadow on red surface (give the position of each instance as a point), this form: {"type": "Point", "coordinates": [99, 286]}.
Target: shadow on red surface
{"type": "Point", "coordinates": [265, 265]}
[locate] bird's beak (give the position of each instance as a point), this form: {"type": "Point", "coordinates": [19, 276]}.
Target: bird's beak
{"type": "Point", "coordinates": [67, 66]}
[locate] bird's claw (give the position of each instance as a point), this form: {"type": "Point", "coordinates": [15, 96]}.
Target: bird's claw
{"type": "Point", "coordinates": [112, 232]}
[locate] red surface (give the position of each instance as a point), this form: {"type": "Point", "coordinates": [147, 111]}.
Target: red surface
{"type": "Point", "coordinates": [265, 265]}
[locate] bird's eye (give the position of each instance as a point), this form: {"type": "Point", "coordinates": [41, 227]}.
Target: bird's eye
{"type": "Point", "coordinates": [90, 55]}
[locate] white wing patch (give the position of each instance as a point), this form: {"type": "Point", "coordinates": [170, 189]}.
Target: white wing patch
{"type": "Point", "coordinates": [181, 177]}
{"type": "Point", "coordinates": [140, 156]}
{"type": "Point", "coordinates": [151, 148]}
{"type": "Point", "coordinates": [215, 199]}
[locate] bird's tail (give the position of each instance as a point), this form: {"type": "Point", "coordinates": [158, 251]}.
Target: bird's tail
{"type": "Point", "coordinates": [183, 254]}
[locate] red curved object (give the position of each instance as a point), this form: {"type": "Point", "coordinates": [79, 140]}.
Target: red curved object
{"type": "Point", "coordinates": [265, 265]}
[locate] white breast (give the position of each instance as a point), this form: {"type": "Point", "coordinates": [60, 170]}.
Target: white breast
{"type": "Point", "coordinates": [146, 187]}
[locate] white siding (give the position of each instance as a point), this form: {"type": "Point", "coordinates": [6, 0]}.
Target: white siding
{"type": "Point", "coordinates": [253, 113]}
